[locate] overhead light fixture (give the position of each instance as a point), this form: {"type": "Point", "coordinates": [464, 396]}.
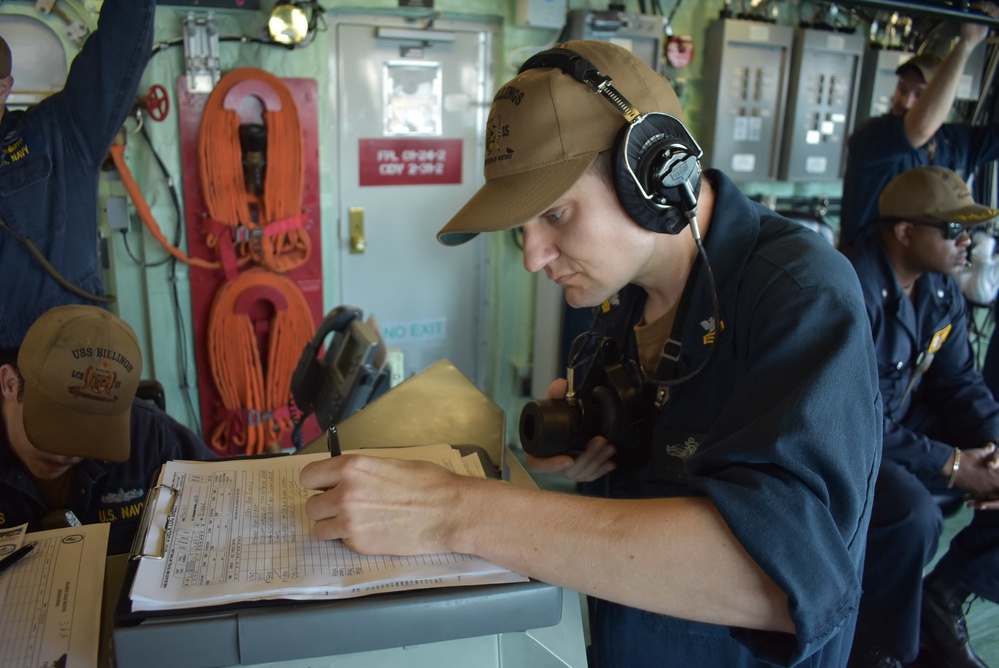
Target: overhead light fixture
{"type": "Point", "coordinates": [288, 24]}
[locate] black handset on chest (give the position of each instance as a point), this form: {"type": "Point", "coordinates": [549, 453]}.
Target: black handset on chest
{"type": "Point", "coordinates": [656, 163]}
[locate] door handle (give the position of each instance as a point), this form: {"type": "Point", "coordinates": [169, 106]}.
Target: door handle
{"type": "Point", "coordinates": [356, 217]}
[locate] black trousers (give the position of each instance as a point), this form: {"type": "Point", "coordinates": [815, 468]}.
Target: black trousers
{"type": "Point", "coordinates": [905, 530]}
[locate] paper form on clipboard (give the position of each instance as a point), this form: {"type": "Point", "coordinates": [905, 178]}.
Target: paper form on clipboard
{"type": "Point", "coordinates": [236, 530]}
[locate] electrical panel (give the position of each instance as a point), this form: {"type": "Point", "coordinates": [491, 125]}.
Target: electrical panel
{"type": "Point", "coordinates": [642, 34]}
{"type": "Point", "coordinates": [877, 82]}
{"type": "Point", "coordinates": [822, 101]}
{"type": "Point", "coordinates": [745, 82]}
{"type": "Point", "coordinates": [541, 13]}
{"type": "Point", "coordinates": [969, 86]}
{"type": "Point", "coordinates": [213, 4]}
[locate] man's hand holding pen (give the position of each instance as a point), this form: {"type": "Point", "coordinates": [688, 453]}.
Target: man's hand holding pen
{"type": "Point", "coordinates": [387, 506]}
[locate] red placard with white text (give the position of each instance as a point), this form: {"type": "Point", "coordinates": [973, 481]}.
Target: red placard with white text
{"type": "Point", "coordinates": [405, 162]}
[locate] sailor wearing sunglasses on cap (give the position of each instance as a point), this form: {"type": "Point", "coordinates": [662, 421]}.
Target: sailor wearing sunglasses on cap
{"type": "Point", "coordinates": [941, 423]}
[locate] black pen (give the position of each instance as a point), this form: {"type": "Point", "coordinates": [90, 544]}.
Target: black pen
{"type": "Point", "coordinates": [333, 441]}
{"type": "Point", "coordinates": [16, 556]}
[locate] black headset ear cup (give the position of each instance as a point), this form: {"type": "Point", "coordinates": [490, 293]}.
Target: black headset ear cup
{"type": "Point", "coordinates": [640, 151]}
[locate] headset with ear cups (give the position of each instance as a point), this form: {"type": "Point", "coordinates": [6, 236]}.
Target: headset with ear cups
{"type": "Point", "coordinates": [657, 178]}
{"type": "Point", "coordinates": [655, 161]}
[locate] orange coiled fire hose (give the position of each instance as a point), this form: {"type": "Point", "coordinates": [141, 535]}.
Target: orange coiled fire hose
{"type": "Point", "coordinates": [255, 385]}
{"type": "Point", "coordinates": [287, 245]}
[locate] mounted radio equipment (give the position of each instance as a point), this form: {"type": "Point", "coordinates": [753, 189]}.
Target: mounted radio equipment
{"type": "Point", "coordinates": [348, 375]}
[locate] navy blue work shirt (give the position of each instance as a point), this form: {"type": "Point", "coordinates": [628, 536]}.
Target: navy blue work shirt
{"type": "Point", "coordinates": [781, 429]}
{"type": "Point", "coordinates": [904, 332]}
{"type": "Point", "coordinates": [50, 159]}
{"type": "Point", "coordinates": [103, 491]}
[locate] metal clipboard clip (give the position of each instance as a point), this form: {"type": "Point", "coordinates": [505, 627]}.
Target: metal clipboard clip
{"type": "Point", "coordinates": [149, 512]}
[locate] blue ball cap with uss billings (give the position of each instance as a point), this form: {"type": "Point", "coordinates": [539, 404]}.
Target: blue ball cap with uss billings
{"type": "Point", "coordinates": [81, 367]}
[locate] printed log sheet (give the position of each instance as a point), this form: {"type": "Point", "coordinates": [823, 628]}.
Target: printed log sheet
{"type": "Point", "coordinates": [236, 530]}
{"type": "Point", "coordinates": [50, 601]}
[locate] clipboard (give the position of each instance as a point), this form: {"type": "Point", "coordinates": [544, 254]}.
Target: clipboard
{"type": "Point", "coordinates": [262, 631]}
{"type": "Point", "coordinates": [143, 548]}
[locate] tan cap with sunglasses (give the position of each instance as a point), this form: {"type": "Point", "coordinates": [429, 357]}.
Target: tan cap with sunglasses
{"type": "Point", "coordinates": [931, 193]}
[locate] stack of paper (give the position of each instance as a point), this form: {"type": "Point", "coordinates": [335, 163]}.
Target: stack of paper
{"type": "Point", "coordinates": [236, 530]}
{"type": "Point", "coordinates": [50, 601]}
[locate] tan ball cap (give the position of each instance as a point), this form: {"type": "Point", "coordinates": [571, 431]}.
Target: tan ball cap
{"type": "Point", "coordinates": [545, 129]}
{"type": "Point", "coordinates": [931, 193]}
{"type": "Point", "coordinates": [81, 367]}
